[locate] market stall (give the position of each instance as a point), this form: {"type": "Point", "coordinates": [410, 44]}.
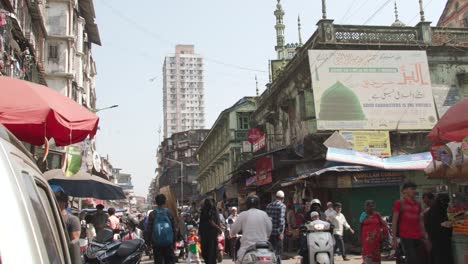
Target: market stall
{"type": "Point", "coordinates": [449, 139]}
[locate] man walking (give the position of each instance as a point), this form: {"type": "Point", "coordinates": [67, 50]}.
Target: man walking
{"type": "Point", "coordinates": [99, 218]}
{"type": "Point", "coordinates": [277, 212]}
{"type": "Point", "coordinates": [340, 224]}
{"type": "Point", "coordinates": [330, 212]}
{"type": "Point", "coordinates": [407, 216]}
{"type": "Point", "coordinates": [72, 222]}
{"type": "Point", "coordinates": [232, 240]}
{"type": "Point", "coordinates": [161, 232]}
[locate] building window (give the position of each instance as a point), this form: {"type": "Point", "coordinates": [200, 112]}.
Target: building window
{"type": "Point", "coordinates": [465, 20]}
{"type": "Point", "coordinates": [53, 51]}
{"type": "Point", "coordinates": [243, 120]}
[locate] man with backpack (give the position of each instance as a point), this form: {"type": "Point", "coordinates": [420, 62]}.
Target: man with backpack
{"type": "Point", "coordinates": [407, 224]}
{"type": "Point", "coordinates": [161, 232]}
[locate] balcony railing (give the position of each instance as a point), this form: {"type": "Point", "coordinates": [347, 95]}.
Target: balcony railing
{"type": "Point", "coordinates": [449, 36]}
{"type": "Point", "coordinates": [363, 34]}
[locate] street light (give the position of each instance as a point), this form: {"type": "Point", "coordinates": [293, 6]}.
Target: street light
{"type": "Point", "coordinates": [181, 179]}
{"type": "Point", "coordinates": [105, 108]}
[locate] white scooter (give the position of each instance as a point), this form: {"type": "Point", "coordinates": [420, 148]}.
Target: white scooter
{"type": "Point", "coordinates": [320, 243]}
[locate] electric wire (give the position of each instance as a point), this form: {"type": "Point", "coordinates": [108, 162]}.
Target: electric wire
{"type": "Point", "coordinates": [164, 40]}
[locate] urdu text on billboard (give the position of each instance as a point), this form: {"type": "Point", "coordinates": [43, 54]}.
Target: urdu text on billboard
{"type": "Point", "coordinates": [372, 90]}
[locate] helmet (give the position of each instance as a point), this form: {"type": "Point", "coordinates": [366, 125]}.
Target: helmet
{"type": "Point", "coordinates": [315, 201]}
{"type": "Point", "coordinates": [252, 201]}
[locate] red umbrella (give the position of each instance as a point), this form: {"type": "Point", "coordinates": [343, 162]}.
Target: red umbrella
{"type": "Point", "coordinates": [33, 112]}
{"type": "Point", "coordinates": [453, 126]}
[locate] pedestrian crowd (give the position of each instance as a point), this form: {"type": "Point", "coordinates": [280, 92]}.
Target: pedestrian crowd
{"type": "Point", "coordinates": [417, 236]}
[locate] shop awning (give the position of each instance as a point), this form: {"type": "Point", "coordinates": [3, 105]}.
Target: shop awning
{"type": "Point", "coordinates": [329, 167]}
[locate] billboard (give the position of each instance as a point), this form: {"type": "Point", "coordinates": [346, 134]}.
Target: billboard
{"type": "Point", "coordinates": [372, 89]}
{"type": "Point", "coordinates": [264, 167]}
{"type": "Point", "coordinates": [375, 143]}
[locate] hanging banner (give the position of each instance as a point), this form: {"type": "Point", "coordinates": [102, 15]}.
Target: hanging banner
{"type": "Point", "coordinates": [264, 167]}
{"type": "Point", "coordinates": [73, 160]}
{"type": "Point", "coordinates": [418, 161]}
{"type": "Point", "coordinates": [372, 89]}
{"type": "Point", "coordinates": [376, 143]}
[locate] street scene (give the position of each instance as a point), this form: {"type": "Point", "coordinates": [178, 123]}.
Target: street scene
{"type": "Point", "coordinates": [269, 132]}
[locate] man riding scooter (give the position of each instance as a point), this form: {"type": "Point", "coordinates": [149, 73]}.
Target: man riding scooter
{"type": "Point", "coordinates": [316, 244]}
{"type": "Point", "coordinates": [255, 226]}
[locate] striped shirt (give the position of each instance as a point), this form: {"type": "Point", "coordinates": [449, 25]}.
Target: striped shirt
{"type": "Point", "coordinates": [277, 212]}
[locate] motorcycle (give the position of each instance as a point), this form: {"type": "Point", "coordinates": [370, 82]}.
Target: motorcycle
{"type": "Point", "coordinates": [316, 244]}
{"type": "Point", "coordinates": [105, 250]}
{"type": "Point", "coordinates": [261, 253]}
{"type": "Point", "coordinates": [179, 251]}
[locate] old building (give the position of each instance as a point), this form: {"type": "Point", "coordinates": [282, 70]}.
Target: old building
{"type": "Point", "coordinates": [124, 180]}
{"type": "Point", "coordinates": [22, 39]}
{"type": "Point", "coordinates": [311, 99]}
{"type": "Point", "coordinates": [178, 164]}
{"type": "Point", "coordinates": [183, 91]}
{"type": "Point", "coordinates": [222, 151]}
{"type": "Point", "coordinates": [455, 14]}
{"type": "Point", "coordinates": [69, 64]}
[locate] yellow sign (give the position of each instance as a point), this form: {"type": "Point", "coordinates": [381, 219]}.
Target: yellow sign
{"type": "Point", "coordinates": [375, 143]}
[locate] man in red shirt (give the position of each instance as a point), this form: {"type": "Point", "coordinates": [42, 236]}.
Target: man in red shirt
{"type": "Point", "coordinates": [407, 224]}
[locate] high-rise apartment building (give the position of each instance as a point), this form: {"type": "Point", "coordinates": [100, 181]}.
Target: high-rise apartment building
{"type": "Point", "coordinates": [183, 91]}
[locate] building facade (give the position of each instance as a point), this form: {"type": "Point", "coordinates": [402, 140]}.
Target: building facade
{"type": "Point", "coordinates": [183, 91]}
{"type": "Point", "coordinates": [178, 164]}
{"type": "Point", "coordinates": [124, 180]}
{"type": "Point", "coordinates": [455, 14]}
{"type": "Point", "coordinates": [69, 64]}
{"type": "Point", "coordinates": [289, 112]}
{"type": "Point", "coordinates": [222, 151]}
{"type": "Point", "coordinates": [22, 38]}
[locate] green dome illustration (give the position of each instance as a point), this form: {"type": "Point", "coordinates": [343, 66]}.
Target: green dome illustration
{"type": "Point", "coordinates": [340, 103]}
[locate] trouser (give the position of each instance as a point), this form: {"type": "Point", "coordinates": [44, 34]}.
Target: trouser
{"type": "Point", "coordinates": [414, 251]}
{"type": "Point", "coordinates": [277, 244]}
{"type": "Point", "coordinates": [163, 255]}
{"type": "Point", "coordinates": [339, 244]}
{"type": "Point", "coordinates": [193, 258]}
{"type": "Point", "coordinates": [232, 247]}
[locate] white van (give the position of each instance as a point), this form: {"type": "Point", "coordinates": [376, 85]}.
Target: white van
{"type": "Point", "coordinates": [31, 228]}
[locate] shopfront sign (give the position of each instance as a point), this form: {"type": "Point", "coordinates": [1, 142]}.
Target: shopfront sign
{"type": "Point", "coordinates": [259, 144]}
{"type": "Point", "coordinates": [376, 143]}
{"type": "Point", "coordinates": [253, 135]}
{"type": "Point", "coordinates": [372, 90]}
{"type": "Point", "coordinates": [370, 179]}
{"type": "Point", "coordinates": [263, 169]}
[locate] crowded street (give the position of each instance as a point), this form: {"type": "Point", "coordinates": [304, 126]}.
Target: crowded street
{"type": "Point", "coordinates": [243, 132]}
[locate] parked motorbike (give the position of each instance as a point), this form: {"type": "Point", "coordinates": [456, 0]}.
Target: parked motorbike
{"type": "Point", "coordinates": [316, 244]}
{"type": "Point", "coordinates": [387, 249]}
{"type": "Point", "coordinates": [179, 251]}
{"type": "Point", "coordinates": [105, 250]}
{"type": "Point", "coordinates": [260, 253]}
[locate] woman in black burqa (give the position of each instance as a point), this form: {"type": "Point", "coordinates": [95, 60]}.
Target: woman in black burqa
{"type": "Point", "coordinates": [209, 230]}
{"type": "Point", "coordinates": [440, 237]}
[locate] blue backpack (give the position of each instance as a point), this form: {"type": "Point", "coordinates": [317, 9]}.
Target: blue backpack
{"type": "Point", "coordinates": [163, 234]}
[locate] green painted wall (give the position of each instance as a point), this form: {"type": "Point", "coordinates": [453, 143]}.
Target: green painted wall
{"type": "Point", "coordinates": [353, 203]}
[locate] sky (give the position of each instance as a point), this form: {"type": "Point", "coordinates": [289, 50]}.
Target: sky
{"type": "Point", "coordinates": [236, 38]}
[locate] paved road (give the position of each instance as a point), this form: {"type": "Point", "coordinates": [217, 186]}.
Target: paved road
{"type": "Point", "coordinates": [296, 260]}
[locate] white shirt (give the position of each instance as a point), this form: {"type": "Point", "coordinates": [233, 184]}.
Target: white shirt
{"type": "Point", "coordinates": [339, 221]}
{"type": "Point", "coordinates": [255, 226]}
{"type": "Point", "coordinates": [234, 219]}
{"type": "Point", "coordinates": [318, 221]}
{"type": "Point", "coordinates": [329, 213]}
